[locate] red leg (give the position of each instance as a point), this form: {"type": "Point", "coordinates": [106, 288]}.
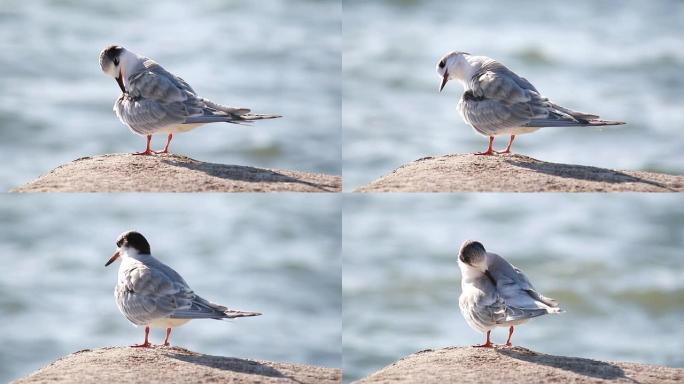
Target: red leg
{"type": "Point", "coordinates": [166, 147]}
{"type": "Point", "coordinates": [508, 147]}
{"type": "Point", "coordinates": [489, 150]}
{"type": "Point", "coordinates": [145, 344]}
{"type": "Point", "coordinates": [147, 151]}
{"type": "Point", "coordinates": [166, 340]}
{"type": "Point", "coordinates": [510, 333]}
{"type": "Point", "coordinates": [487, 344]}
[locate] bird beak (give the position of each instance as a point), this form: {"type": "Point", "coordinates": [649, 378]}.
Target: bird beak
{"type": "Point", "coordinates": [119, 80]}
{"type": "Point", "coordinates": [114, 257]}
{"type": "Point", "coordinates": [444, 80]}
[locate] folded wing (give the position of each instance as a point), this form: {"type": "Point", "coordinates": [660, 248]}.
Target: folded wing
{"type": "Point", "coordinates": [521, 298]}
{"type": "Point", "coordinates": [147, 294]}
{"type": "Point", "coordinates": [497, 99]}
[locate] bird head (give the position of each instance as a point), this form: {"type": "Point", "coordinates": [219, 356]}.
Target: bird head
{"type": "Point", "coordinates": [473, 254]}
{"type": "Point", "coordinates": [130, 243]}
{"type": "Point", "coordinates": [113, 61]}
{"type": "Point", "coordinates": [452, 66]}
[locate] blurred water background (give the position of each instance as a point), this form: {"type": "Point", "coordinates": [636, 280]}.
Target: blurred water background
{"type": "Point", "coordinates": [615, 263]}
{"type": "Point", "coordinates": [279, 256]}
{"type": "Point", "coordinates": [621, 59]}
{"type": "Point", "coordinates": [274, 56]}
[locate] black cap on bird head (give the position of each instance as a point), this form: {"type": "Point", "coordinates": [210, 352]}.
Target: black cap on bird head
{"type": "Point", "coordinates": [131, 240]}
{"type": "Point", "coordinates": [110, 60]}
{"type": "Point", "coordinates": [472, 252]}
{"type": "Point", "coordinates": [135, 240]}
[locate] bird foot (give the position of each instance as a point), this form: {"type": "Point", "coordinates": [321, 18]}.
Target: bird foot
{"type": "Point", "coordinates": [503, 152]}
{"type": "Point", "coordinates": [145, 153]}
{"type": "Point", "coordinates": [143, 345]}
{"type": "Point", "coordinates": [485, 153]}
{"type": "Point", "coordinates": [166, 343]}
{"type": "Point", "coordinates": [160, 152]}
{"type": "Point", "coordinates": [507, 345]}
{"type": "Point", "coordinates": [485, 345]}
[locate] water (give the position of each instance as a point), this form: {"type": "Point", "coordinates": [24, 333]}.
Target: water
{"type": "Point", "coordinates": [622, 59]}
{"type": "Point", "coordinates": [275, 56]}
{"type": "Point", "coordinates": [279, 256]}
{"type": "Point", "coordinates": [613, 261]}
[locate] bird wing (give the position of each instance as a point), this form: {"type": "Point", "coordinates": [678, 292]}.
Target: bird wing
{"type": "Point", "coordinates": [514, 286]}
{"type": "Point", "coordinates": [480, 304]}
{"type": "Point", "coordinates": [146, 116]}
{"type": "Point", "coordinates": [154, 82]}
{"type": "Point", "coordinates": [491, 307]}
{"type": "Point", "coordinates": [194, 306]}
{"type": "Point", "coordinates": [158, 98]}
{"type": "Point", "coordinates": [146, 294]}
{"type": "Point", "coordinates": [497, 98]}
{"type": "Point", "coordinates": [204, 309]}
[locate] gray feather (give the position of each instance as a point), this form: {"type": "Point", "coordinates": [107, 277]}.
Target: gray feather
{"type": "Point", "coordinates": [152, 290]}
{"type": "Point", "coordinates": [554, 122]}
{"type": "Point", "coordinates": [156, 99]}
{"type": "Point", "coordinates": [497, 99]}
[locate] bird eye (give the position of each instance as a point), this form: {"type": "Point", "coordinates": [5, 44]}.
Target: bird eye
{"type": "Point", "coordinates": [442, 64]}
{"type": "Point", "coordinates": [116, 61]}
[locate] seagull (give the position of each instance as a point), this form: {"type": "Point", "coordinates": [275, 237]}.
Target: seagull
{"type": "Point", "coordinates": [155, 101]}
{"type": "Point", "coordinates": [150, 293]}
{"type": "Point", "coordinates": [495, 293]}
{"type": "Point", "coordinates": [497, 101]}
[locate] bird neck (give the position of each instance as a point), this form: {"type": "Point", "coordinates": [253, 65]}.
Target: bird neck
{"type": "Point", "coordinates": [471, 65]}
{"type": "Point", "coordinates": [132, 254]}
{"type": "Point", "coordinates": [129, 64]}
{"type": "Point", "coordinates": [468, 272]}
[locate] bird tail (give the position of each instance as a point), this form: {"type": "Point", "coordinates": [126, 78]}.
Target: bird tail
{"type": "Point", "coordinates": [515, 314]}
{"type": "Point", "coordinates": [233, 119]}
{"type": "Point", "coordinates": [554, 122]}
{"type": "Point", "coordinates": [576, 114]}
{"type": "Point", "coordinates": [254, 116]}
{"type": "Point", "coordinates": [565, 117]}
{"type": "Point", "coordinates": [217, 113]}
{"type": "Point", "coordinates": [555, 310]}
{"type": "Point", "coordinates": [232, 313]}
{"type": "Point", "coordinates": [238, 111]}
{"type": "Point", "coordinates": [541, 298]}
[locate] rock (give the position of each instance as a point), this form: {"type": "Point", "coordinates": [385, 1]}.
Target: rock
{"type": "Point", "coordinates": [515, 173]}
{"type": "Point", "coordinates": [515, 365]}
{"type": "Point", "coordinates": [173, 365]}
{"type": "Point", "coordinates": [173, 173]}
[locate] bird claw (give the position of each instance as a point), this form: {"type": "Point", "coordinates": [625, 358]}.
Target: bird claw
{"type": "Point", "coordinates": [143, 345]}
{"type": "Point", "coordinates": [486, 153]}
{"type": "Point", "coordinates": [144, 153]}
{"type": "Point", "coordinates": [485, 345]}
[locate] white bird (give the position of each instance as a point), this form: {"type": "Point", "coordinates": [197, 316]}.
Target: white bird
{"type": "Point", "coordinates": [495, 293]}
{"type": "Point", "coordinates": [150, 293]}
{"type": "Point", "coordinates": [155, 101]}
{"type": "Point", "coordinates": [497, 102]}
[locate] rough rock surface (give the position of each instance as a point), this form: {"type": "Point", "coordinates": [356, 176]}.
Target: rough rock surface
{"type": "Point", "coordinates": [173, 173]}
{"type": "Point", "coordinates": [173, 365]}
{"type": "Point", "coordinates": [515, 365]}
{"type": "Point", "coordinates": [516, 173]}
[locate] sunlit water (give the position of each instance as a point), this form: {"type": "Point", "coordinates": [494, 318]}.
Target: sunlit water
{"type": "Point", "coordinates": [620, 59]}
{"type": "Point", "coordinates": [613, 261]}
{"type": "Point", "coordinates": [279, 256]}
{"type": "Point", "coordinates": [274, 56]}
